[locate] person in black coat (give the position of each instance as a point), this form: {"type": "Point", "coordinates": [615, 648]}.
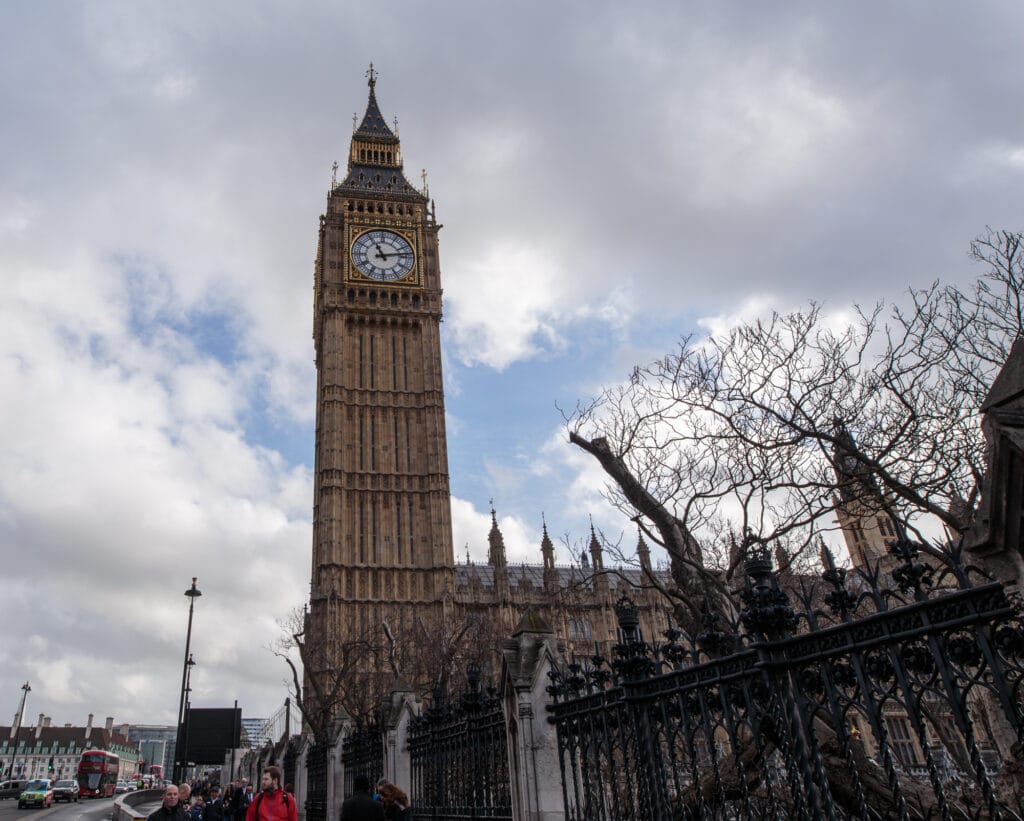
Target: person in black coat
{"type": "Point", "coordinates": [361, 806]}
{"type": "Point", "coordinates": [214, 810]}
{"type": "Point", "coordinates": [170, 809]}
{"type": "Point", "coordinates": [240, 801]}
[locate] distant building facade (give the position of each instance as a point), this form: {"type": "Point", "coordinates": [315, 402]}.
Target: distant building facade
{"type": "Point", "coordinates": [577, 600]}
{"type": "Point", "coordinates": [37, 749]}
{"type": "Point", "coordinates": [156, 744]}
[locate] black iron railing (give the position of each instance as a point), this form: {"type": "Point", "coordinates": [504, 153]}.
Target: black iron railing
{"type": "Point", "coordinates": [860, 702]}
{"type": "Point", "coordinates": [362, 753]}
{"type": "Point", "coordinates": [317, 760]}
{"type": "Point", "coordinates": [291, 756]}
{"type": "Point", "coordinates": [459, 758]}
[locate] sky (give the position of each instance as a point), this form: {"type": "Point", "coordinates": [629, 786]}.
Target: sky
{"type": "Point", "coordinates": [610, 177]}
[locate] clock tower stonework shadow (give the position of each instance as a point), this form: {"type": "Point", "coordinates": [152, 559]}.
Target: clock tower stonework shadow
{"type": "Point", "coordinates": [382, 540]}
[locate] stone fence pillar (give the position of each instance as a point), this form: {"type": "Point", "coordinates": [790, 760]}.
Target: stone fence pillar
{"type": "Point", "coordinates": [336, 768]}
{"type": "Point", "coordinates": [300, 784]}
{"type": "Point", "coordinates": [532, 744]}
{"type": "Point", "coordinates": [397, 760]}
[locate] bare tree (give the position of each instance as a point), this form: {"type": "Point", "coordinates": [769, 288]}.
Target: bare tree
{"type": "Point", "coordinates": [354, 675]}
{"type": "Point", "coordinates": [759, 433]}
{"type": "Point", "coordinates": [769, 424]}
{"type": "Point", "coordinates": [327, 681]}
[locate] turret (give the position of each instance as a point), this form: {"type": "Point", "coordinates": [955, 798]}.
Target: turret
{"type": "Point", "coordinates": [547, 550]}
{"type": "Point", "coordinates": [496, 557]}
{"type": "Point", "coordinates": [643, 553]}
{"type": "Point", "coordinates": [597, 562]}
{"type": "Point", "coordinates": [864, 513]}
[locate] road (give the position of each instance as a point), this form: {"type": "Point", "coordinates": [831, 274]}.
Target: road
{"type": "Point", "coordinates": [94, 809]}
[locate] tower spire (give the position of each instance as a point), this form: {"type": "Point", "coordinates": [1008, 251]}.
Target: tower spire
{"type": "Point", "coordinates": [547, 550]}
{"type": "Point", "coordinates": [496, 554]}
{"type": "Point", "coordinates": [496, 557]}
{"type": "Point", "coordinates": [601, 585]}
{"type": "Point", "coordinates": [596, 559]}
{"type": "Point", "coordinates": [375, 153]}
{"type": "Point", "coordinates": [643, 552]}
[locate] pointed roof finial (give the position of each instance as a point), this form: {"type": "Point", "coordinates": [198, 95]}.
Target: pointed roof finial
{"type": "Point", "coordinates": [373, 125]}
{"type": "Point", "coordinates": [643, 552]}
{"type": "Point", "coordinates": [496, 553]}
{"type": "Point", "coordinates": [545, 542]}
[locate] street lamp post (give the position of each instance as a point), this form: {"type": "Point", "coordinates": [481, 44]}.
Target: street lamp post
{"type": "Point", "coordinates": [186, 723]}
{"type": "Point", "coordinates": [192, 593]}
{"type": "Point", "coordinates": [25, 690]}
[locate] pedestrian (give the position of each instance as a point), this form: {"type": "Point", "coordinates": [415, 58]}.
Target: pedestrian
{"type": "Point", "coordinates": [273, 803]}
{"type": "Point", "coordinates": [238, 803]}
{"type": "Point", "coordinates": [169, 809]}
{"type": "Point", "coordinates": [228, 798]}
{"type": "Point", "coordinates": [361, 806]}
{"type": "Point", "coordinates": [214, 810]}
{"type": "Point", "coordinates": [396, 803]}
{"type": "Point", "coordinates": [185, 796]}
{"type": "Point", "coordinates": [241, 800]}
{"type": "Point", "coordinates": [198, 808]}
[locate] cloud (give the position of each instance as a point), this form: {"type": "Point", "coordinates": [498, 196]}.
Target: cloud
{"type": "Point", "coordinates": [518, 285]}
{"type": "Point", "coordinates": [606, 177]}
{"type": "Point", "coordinates": [126, 472]}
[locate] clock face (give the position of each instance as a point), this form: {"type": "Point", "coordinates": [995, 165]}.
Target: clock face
{"type": "Point", "coordinates": [383, 255]}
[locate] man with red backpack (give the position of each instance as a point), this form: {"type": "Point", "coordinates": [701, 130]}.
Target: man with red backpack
{"type": "Point", "coordinates": [273, 803]}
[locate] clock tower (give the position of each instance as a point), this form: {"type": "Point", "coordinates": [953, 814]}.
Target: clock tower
{"type": "Point", "coordinates": [382, 541]}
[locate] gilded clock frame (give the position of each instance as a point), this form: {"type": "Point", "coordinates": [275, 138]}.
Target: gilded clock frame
{"type": "Point", "coordinates": [411, 280]}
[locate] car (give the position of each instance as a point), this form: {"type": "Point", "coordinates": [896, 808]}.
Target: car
{"type": "Point", "coordinates": [122, 786]}
{"type": "Point", "coordinates": [66, 790]}
{"type": "Point", "coordinates": [37, 793]}
{"type": "Point", "coordinates": [12, 789]}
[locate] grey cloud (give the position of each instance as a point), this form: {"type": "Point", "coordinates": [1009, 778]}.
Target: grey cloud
{"type": "Point", "coordinates": [643, 145]}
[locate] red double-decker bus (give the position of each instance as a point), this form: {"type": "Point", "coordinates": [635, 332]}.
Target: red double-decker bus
{"type": "Point", "coordinates": [97, 774]}
{"type": "Point", "coordinates": [156, 771]}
